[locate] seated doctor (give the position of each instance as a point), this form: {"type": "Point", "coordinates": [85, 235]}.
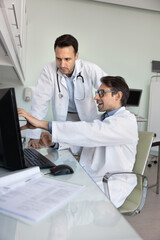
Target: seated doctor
{"type": "Point", "coordinates": [109, 143]}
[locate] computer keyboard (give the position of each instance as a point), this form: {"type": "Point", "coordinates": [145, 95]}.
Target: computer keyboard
{"type": "Point", "coordinates": [34, 158]}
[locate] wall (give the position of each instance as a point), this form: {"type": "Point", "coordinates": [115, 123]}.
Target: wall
{"type": "Point", "coordinates": [144, 4]}
{"type": "Point", "coordinates": [121, 40]}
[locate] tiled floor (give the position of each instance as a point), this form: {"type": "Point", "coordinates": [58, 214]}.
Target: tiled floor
{"type": "Point", "coordinates": [147, 223]}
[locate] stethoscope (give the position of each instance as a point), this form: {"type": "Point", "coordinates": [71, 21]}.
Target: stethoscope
{"type": "Point", "coordinates": [60, 93]}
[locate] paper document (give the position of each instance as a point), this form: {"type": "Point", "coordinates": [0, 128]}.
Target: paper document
{"type": "Point", "coordinates": [32, 199]}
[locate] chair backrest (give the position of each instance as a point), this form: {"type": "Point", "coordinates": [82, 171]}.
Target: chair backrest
{"type": "Point", "coordinates": [143, 149]}
{"type": "Point", "coordinates": [135, 201]}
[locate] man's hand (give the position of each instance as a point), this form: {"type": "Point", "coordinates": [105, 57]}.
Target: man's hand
{"type": "Point", "coordinates": [46, 140]}
{"type": "Point", "coordinates": [35, 143]}
{"type": "Point", "coordinates": [32, 122]}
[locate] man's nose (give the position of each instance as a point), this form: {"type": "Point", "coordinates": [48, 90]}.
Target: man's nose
{"type": "Point", "coordinates": [62, 63]}
{"type": "Point", "coordinates": [96, 97]}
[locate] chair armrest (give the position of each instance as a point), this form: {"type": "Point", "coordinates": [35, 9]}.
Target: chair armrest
{"type": "Point", "coordinates": [110, 174]}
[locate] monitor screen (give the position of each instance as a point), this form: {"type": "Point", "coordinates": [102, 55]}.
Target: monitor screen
{"type": "Point", "coordinates": [11, 151]}
{"type": "Point", "coordinates": [134, 97]}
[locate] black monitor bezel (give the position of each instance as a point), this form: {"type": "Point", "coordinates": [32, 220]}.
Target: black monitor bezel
{"type": "Point", "coordinates": [10, 130]}
{"type": "Point", "coordinates": [137, 103]}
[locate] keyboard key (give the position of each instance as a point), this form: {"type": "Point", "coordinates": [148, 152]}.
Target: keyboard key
{"type": "Point", "coordinates": [34, 158]}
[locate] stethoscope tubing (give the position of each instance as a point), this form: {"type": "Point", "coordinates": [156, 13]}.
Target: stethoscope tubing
{"type": "Point", "coordinates": [59, 89]}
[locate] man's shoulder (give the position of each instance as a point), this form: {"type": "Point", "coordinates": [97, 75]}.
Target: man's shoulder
{"type": "Point", "coordinates": [87, 66]}
{"type": "Point", "coordinates": [83, 62]}
{"type": "Point", "coordinates": [50, 66]}
{"type": "Point", "coordinates": [125, 112]}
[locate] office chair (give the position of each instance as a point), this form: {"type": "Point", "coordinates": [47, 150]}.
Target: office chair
{"type": "Point", "coordinates": [135, 201]}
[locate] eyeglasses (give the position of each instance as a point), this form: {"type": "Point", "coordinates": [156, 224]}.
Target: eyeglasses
{"type": "Point", "coordinates": [101, 92]}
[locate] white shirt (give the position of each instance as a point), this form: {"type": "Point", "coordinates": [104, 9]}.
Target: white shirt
{"type": "Point", "coordinates": [70, 85]}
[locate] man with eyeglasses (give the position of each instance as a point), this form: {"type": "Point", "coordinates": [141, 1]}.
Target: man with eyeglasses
{"type": "Point", "coordinates": [109, 142]}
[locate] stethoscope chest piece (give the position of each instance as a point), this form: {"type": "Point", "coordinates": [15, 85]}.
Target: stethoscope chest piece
{"type": "Point", "coordinates": [60, 95]}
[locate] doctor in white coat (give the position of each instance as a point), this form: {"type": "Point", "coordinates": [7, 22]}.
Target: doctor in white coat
{"type": "Point", "coordinates": [69, 83]}
{"type": "Point", "coordinates": [109, 143]}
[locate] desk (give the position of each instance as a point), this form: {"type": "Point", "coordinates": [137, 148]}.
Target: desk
{"type": "Point", "coordinates": [89, 215]}
{"type": "Point", "coordinates": [141, 119]}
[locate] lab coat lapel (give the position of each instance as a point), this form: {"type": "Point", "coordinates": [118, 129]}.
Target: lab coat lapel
{"type": "Point", "coordinates": [79, 89]}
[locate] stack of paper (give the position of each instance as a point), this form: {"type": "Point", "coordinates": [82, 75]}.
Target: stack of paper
{"type": "Point", "coordinates": [29, 196]}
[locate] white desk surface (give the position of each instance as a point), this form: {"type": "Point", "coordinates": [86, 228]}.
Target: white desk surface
{"type": "Point", "coordinates": [87, 216]}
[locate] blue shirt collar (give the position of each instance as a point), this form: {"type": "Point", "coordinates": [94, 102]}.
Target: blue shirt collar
{"type": "Point", "coordinates": [73, 75]}
{"type": "Point", "coordinates": [108, 114]}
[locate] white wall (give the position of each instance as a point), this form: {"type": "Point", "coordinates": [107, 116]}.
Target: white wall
{"type": "Point", "coordinates": [121, 40]}
{"type": "Point", "coordinates": [144, 4]}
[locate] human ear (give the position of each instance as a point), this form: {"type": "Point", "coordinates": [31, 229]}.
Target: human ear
{"type": "Point", "coordinates": [119, 95]}
{"type": "Point", "coordinates": [77, 55]}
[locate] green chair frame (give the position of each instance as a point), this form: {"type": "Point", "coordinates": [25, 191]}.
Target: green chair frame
{"type": "Point", "coordinates": [135, 201]}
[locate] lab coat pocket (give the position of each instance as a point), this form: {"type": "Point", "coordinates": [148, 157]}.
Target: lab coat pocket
{"type": "Point", "coordinates": [79, 91]}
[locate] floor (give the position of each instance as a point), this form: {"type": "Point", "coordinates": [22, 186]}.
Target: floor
{"type": "Point", "coordinates": [147, 223]}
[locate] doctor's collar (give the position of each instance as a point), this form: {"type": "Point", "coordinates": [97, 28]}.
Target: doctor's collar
{"type": "Point", "coordinates": [108, 114]}
{"type": "Point", "coordinates": [72, 76]}
{"type": "Point", "coordinates": [112, 112]}
{"type": "Point", "coordinates": [65, 76]}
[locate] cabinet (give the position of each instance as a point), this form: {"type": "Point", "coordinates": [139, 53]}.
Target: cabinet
{"type": "Point", "coordinates": [13, 18]}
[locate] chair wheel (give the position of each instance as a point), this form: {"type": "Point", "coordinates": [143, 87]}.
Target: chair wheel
{"type": "Point", "coordinates": [149, 165]}
{"type": "Point", "coordinates": [155, 162]}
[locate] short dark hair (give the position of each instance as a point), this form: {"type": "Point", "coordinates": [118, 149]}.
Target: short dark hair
{"type": "Point", "coordinates": [117, 83]}
{"type": "Point", "coordinates": [66, 40]}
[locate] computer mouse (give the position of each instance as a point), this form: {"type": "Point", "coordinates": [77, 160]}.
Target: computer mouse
{"type": "Point", "coordinates": [61, 169]}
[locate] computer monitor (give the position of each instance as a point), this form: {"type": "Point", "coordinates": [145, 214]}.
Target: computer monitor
{"type": "Point", "coordinates": [11, 151]}
{"type": "Point", "coordinates": [134, 97]}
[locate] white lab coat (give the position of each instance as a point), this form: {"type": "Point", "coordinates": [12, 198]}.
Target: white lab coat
{"type": "Point", "coordinates": [47, 89]}
{"type": "Point", "coordinates": [108, 145]}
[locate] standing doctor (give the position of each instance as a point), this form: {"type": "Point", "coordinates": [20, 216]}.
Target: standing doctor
{"type": "Point", "coordinates": [109, 143]}
{"type": "Point", "coordinates": [69, 83]}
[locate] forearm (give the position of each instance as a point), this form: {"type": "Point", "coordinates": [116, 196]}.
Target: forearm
{"type": "Point", "coordinates": [95, 134]}
{"type": "Point", "coordinates": [44, 125]}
